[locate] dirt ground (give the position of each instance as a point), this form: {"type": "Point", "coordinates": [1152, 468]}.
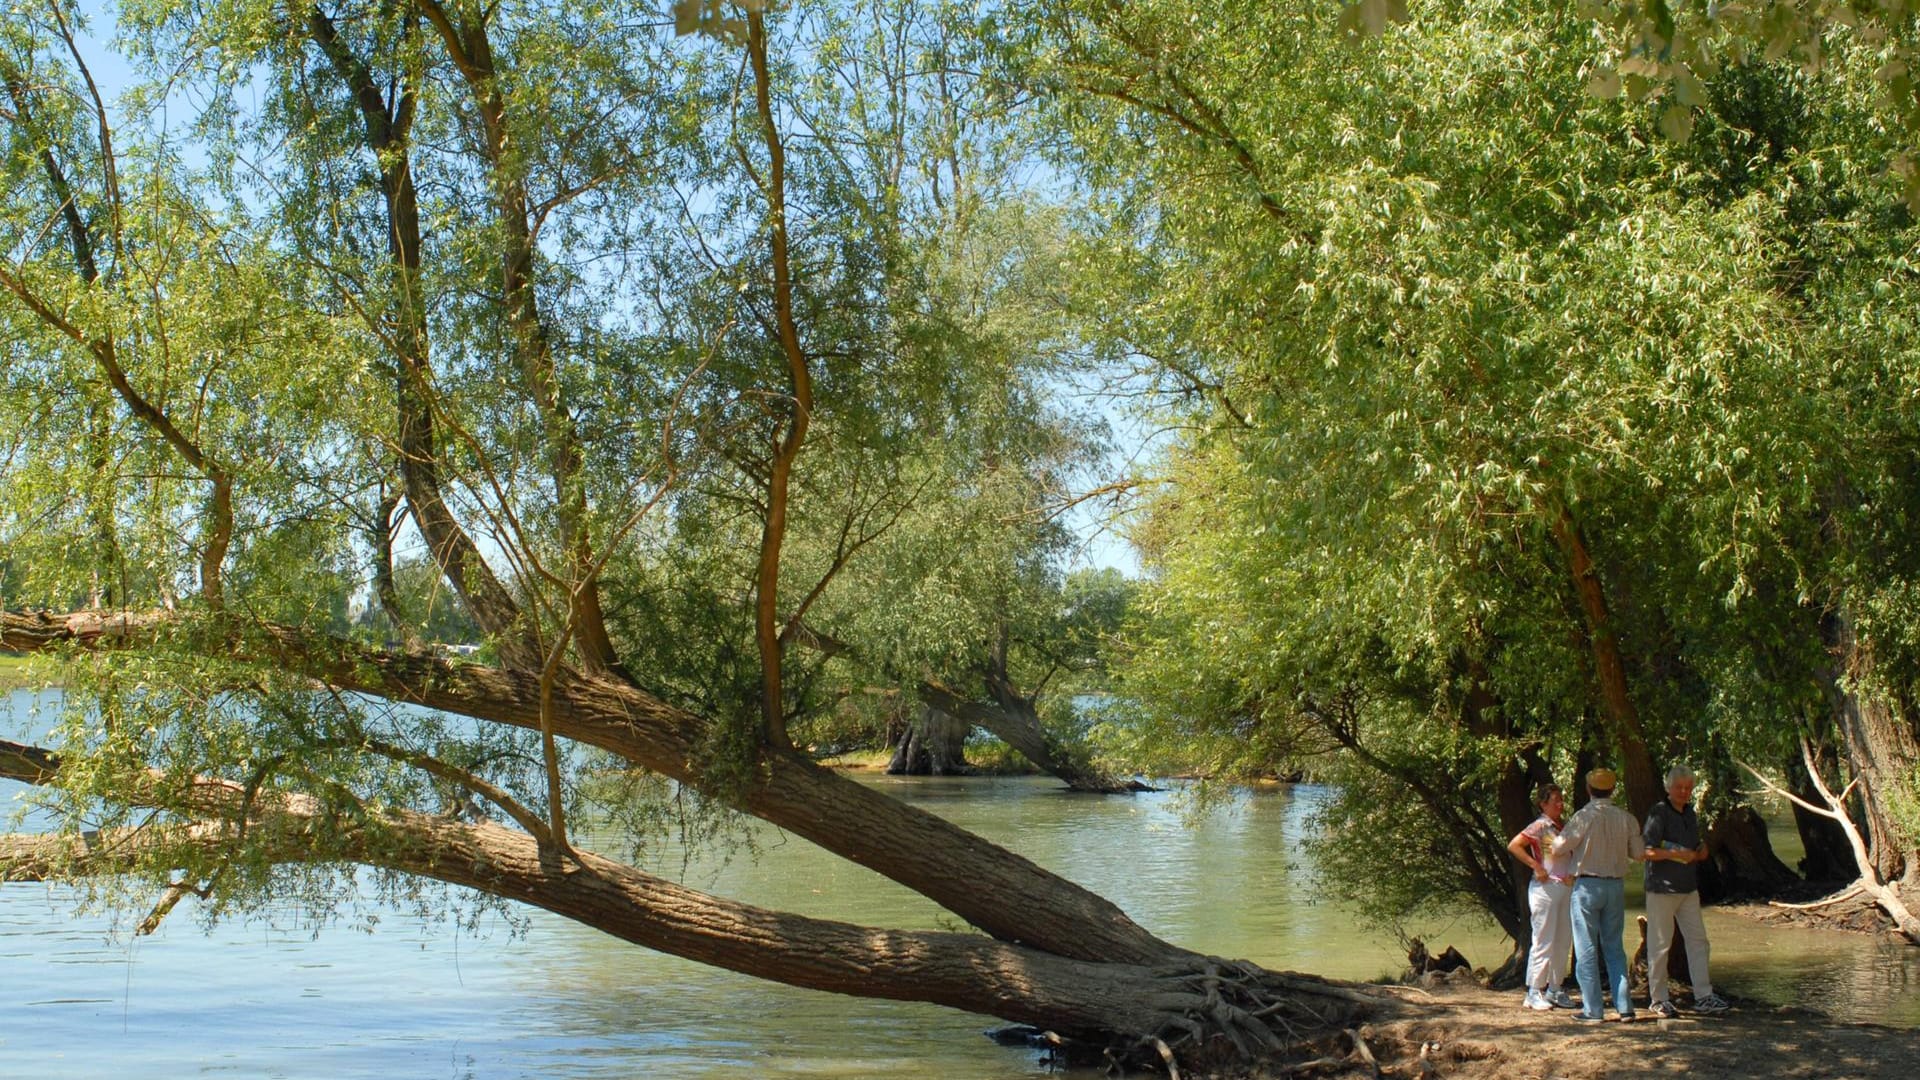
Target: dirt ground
{"type": "Point", "coordinates": [1470, 1033]}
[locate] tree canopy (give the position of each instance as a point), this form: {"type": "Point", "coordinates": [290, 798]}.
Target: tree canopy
{"type": "Point", "coordinates": [1536, 391]}
{"type": "Point", "coordinates": [1517, 428]}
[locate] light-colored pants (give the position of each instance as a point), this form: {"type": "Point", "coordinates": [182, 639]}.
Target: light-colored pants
{"type": "Point", "coordinates": [1551, 903]}
{"type": "Point", "coordinates": [1663, 911]}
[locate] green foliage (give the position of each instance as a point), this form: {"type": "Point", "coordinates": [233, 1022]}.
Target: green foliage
{"type": "Point", "coordinates": [1373, 847]}
{"type": "Point", "coordinates": [1669, 54]}
{"type": "Point", "coordinates": [249, 283]}
{"type": "Point", "coordinates": [1412, 303]}
{"type": "Point", "coordinates": [1417, 303]}
{"type": "Point", "coordinates": [429, 607]}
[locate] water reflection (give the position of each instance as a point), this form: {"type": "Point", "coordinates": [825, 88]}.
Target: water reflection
{"type": "Point", "coordinates": [561, 1001]}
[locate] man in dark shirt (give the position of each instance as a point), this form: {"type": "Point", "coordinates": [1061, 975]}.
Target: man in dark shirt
{"type": "Point", "coordinates": [1674, 846]}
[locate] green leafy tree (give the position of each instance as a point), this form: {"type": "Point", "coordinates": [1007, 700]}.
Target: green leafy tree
{"type": "Point", "coordinates": [642, 338]}
{"type": "Point", "coordinates": [1498, 453]}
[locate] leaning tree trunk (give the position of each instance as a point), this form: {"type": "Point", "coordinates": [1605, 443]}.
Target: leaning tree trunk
{"type": "Point", "coordinates": [1609, 667]}
{"type": "Point", "coordinates": [1005, 713]}
{"type": "Point", "coordinates": [933, 744]}
{"type": "Point", "coordinates": [1054, 954]}
{"type": "Point", "coordinates": [1012, 719]}
{"type": "Point", "coordinates": [1221, 1010]}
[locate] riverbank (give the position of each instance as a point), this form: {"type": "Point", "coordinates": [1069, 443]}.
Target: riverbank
{"type": "Point", "coordinates": [17, 673]}
{"type": "Point", "coordinates": [986, 758]}
{"type": "Point", "coordinates": [1470, 1033]}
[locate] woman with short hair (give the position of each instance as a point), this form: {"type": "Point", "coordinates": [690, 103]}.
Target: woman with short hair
{"type": "Point", "coordinates": [1549, 900]}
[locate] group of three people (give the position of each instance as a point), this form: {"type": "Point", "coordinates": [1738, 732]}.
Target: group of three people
{"type": "Point", "coordinates": [1579, 891]}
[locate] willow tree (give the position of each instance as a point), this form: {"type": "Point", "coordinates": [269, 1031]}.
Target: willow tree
{"type": "Point", "coordinates": [1670, 54]}
{"type": "Point", "coordinates": [960, 614]}
{"type": "Point", "coordinates": [1498, 448]}
{"type": "Point", "coordinates": [640, 338]}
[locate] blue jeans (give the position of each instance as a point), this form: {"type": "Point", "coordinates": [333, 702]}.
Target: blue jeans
{"type": "Point", "coordinates": [1599, 918]}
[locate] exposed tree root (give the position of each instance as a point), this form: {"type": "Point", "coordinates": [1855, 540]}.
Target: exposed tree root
{"type": "Point", "coordinates": [1849, 893]}
{"type": "Point", "coordinates": [1359, 1057]}
{"type": "Point", "coordinates": [1230, 1012]}
{"type": "Point", "coordinates": [1166, 1055]}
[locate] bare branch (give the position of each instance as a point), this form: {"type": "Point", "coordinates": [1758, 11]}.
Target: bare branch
{"type": "Point", "coordinates": [1885, 894]}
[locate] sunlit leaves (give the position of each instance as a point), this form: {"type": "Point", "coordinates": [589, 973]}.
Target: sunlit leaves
{"type": "Point", "coordinates": [714, 18]}
{"type": "Point", "coordinates": [1407, 312]}
{"type": "Point", "coordinates": [1664, 51]}
{"type": "Point", "coordinates": [1371, 16]}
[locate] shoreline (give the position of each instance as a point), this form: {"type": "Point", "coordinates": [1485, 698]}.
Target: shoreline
{"type": "Point", "coordinates": [1473, 1033]}
{"type": "Point", "coordinates": [18, 673]}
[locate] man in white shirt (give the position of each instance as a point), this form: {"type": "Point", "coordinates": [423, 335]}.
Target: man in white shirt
{"type": "Point", "coordinates": [1602, 840]}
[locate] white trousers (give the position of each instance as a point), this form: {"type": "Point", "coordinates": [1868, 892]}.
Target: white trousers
{"type": "Point", "coordinates": [1551, 904]}
{"type": "Point", "coordinates": [1663, 911]}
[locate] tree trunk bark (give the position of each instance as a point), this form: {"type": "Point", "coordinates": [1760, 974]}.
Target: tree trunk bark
{"type": "Point", "coordinates": [1584, 762]}
{"type": "Point", "coordinates": [1881, 747]}
{"type": "Point", "coordinates": [1124, 1005]}
{"type": "Point", "coordinates": [1609, 668]}
{"type": "Point", "coordinates": [1742, 861]}
{"type": "Point", "coordinates": [934, 744]}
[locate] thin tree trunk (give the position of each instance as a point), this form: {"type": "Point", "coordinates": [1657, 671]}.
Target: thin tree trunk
{"type": "Point", "coordinates": [1609, 667]}
{"type": "Point", "coordinates": [387, 127]}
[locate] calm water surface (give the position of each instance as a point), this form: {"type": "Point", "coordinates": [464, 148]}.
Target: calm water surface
{"type": "Point", "coordinates": [272, 999]}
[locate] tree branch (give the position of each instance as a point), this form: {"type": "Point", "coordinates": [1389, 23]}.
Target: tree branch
{"type": "Point", "coordinates": [767, 628]}
{"type": "Point", "coordinates": [1885, 894]}
{"type": "Point", "coordinates": [1006, 895]}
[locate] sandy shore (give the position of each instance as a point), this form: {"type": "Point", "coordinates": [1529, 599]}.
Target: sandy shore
{"type": "Point", "coordinates": [1477, 1034]}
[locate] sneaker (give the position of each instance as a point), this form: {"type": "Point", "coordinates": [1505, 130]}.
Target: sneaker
{"type": "Point", "coordinates": [1560, 999]}
{"type": "Point", "coordinates": [1583, 1018]}
{"type": "Point", "coordinates": [1537, 1001]}
{"type": "Point", "coordinates": [1628, 1018]}
{"type": "Point", "coordinates": [1712, 1003]}
{"type": "Point", "coordinates": [1664, 1010]}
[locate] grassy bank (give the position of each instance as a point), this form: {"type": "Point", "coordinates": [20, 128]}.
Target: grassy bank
{"type": "Point", "coordinates": [20, 671]}
{"type": "Point", "coordinates": [986, 757]}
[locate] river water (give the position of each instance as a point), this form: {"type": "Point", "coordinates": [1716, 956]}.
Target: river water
{"type": "Point", "coordinates": [273, 998]}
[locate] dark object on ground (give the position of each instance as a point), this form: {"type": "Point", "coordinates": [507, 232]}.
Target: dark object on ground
{"type": "Point", "coordinates": [1421, 961]}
